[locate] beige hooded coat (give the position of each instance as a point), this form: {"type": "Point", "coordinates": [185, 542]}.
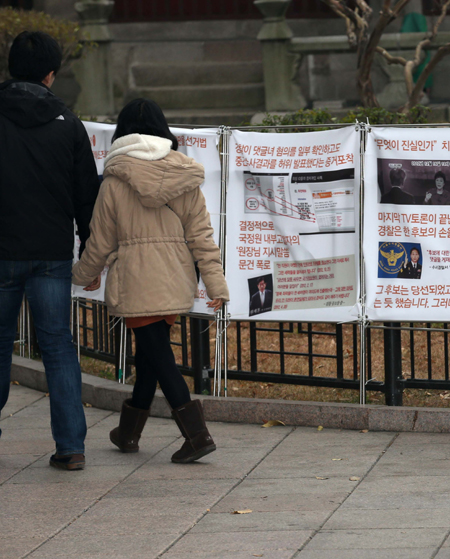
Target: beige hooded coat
{"type": "Point", "coordinates": [149, 225]}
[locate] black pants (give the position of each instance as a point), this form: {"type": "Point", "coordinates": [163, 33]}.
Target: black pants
{"type": "Point", "coordinates": [155, 362]}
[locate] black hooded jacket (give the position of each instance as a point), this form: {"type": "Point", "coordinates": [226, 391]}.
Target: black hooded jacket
{"type": "Point", "coordinates": [48, 175]}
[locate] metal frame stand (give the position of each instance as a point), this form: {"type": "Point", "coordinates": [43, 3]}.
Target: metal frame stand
{"type": "Point", "coordinates": [362, 319]}
{"type": "Point", "coordinates": [222, 315]}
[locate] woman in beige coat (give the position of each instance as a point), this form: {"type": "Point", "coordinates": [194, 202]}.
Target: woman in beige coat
{"type": "Point", "coordinates": [150, 224]}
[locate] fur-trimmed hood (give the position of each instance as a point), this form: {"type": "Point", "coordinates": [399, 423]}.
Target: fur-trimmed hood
{"type": "Point", "coordinates": [151, 168]}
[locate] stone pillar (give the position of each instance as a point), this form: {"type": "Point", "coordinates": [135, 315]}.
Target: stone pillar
{"type": "Point", "coordinates": [93, 70]}
{"type": "Point", "coordinates": [282, 93]}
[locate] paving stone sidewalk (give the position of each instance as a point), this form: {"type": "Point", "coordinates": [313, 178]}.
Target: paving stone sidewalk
{"type": "Point", "coordinates": [312, 494]}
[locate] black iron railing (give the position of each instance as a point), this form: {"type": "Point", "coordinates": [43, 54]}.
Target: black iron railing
{"type": "Point", "coordinates": [398, 356]}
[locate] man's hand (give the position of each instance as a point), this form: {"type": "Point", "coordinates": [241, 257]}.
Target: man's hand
{"type": "Point", "coordinates": [215, 304]}
{"type": "Point", "coordinates": [94, 285]}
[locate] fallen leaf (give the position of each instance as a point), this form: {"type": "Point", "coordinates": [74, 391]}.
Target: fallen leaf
{"type": "Point", "coordinates": [47, 394]}
{"type": "Point", "coordinates": [337, 459]}
{"type": "Point", "coordinates": [86, 405]}
{"type": "Point", "coordinates": [317, 477]}
{"type": "Point", "coordinates": [16, 382]}
{"type": "Point", "coordinates": [207, 510]}
{"type": "Point", "coordinates": [354, 478]}
{"type": "Point", "coordinates": [273, 423]}
{"type": "Point", "coordinates": [246, 511]}
{"type": "Point", "coordinates": [364, 431]}
{"type": "Point", "coordinates": [320, 428]}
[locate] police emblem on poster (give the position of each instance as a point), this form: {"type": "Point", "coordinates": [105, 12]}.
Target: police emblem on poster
{"type": "Point", "coordinates": [391, 257]}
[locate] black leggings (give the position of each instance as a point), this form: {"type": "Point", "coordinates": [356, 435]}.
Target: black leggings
{"type": "Point", "coordinates": [155, 362]}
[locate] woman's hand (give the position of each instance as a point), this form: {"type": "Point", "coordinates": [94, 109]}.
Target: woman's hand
{"type": "Point", "coordinates": [94, 285]}
{"type": "Point", "coordinates": [216, 304]}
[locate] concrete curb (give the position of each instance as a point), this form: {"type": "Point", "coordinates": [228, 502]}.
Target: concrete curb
{"type": "Point", "coordinates": [109, 395]}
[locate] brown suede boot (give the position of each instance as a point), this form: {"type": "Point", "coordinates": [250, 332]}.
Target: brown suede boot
{"type": "Point", "coordinates": [191, 422]}
{"type": "Point", "coordinates": [131, 425]}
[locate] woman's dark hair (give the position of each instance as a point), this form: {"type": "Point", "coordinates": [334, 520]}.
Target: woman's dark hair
{"type": "Point", "coordinates": [439, 175]}
{"type": "Point", "coordinates": [143, 116]}
{"type": "Point", "coordinates": [33, 55]}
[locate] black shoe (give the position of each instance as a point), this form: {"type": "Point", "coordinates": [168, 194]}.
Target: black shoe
{"type": "Point", "coordinates": [68, 461]}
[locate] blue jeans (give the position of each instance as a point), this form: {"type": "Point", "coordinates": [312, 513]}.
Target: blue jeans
{"type": "Point", "coordinates": [47, 286]}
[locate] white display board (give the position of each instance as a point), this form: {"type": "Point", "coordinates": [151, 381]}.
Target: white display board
{"type": "Point", "coordinates": [100, 136]}
{"type": "Point", "coordinates": [293, 226]}
{"type": "Point", "coordinates": [202, 145]}
{"type": "Point", "coordinates": [407, 224]}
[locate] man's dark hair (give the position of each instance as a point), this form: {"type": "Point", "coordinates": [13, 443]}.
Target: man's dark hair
{"type": "Point", "coordinates": [259, 280]}
{"type": "Point", "coordinates": [439, 175]}
{"type": "Point", "coordinates": [33, 55]}
{"type": "Point", "coordinates": [397, 177]}
{"type": "Point", "coordinates": [143, 116]}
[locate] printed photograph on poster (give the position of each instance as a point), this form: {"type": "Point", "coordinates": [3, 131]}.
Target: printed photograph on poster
{"type": "Point", "coordinates": [261, 294]}
{"type": "Point", "coordinates": [414, 182]}
{"type": "Point", "coordinates": [400, 260]}
{"type": "Point", "coordinates": [323, 201]}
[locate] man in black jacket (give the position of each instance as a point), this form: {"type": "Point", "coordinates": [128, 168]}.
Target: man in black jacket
{"type": "Point", "coordinates": [48, 178]}
{"type": "Point", "coordinates": [397, 195]}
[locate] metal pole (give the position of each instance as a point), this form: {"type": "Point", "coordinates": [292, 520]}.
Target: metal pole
{"type": "Point", "coordinates": [29, 330]}
{"type": "Point", "coordinates": [216, 361]}
{"type": "Point", "coordinates": [362, 319]}
{"type": "Point", "coordinates": [121, 351]}
{"type": "Point", "coordinates": [223, 210]}
{"type": "Point", "coordinates": [200, 354]}
{"type": "Point", "coordinates": [78, 330]}
{"type": "Point", "coordinates": [225, 349]}
{"type": "Point", "coordinates": [22, 329]}
{"type": "Point", "coordinates": [393, 365]}
{"type": "Point", "coordinates": [224, 133]}
{"type": "Point", "coordinates": [124, 352]}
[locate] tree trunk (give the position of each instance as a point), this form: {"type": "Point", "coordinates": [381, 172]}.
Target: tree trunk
{"type": "Point", "coordinates": [365, 89]}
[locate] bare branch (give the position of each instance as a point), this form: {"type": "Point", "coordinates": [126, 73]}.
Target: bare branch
{"type": "Point", "coordinates": [366, 10]}
{"type": "Point", "coordinates": [391, 59]}
{"type": "Point", "coordinates": [399, 7]}
{"type": "Point", "coordinates": [440, 19]}
{"type": "Point", "coordinates": [351, 33]}
{"type": "Point", "coordinates": [411, 65]}
{"type": "Point", "coordinates": [420, 84]}
{"type": "Point", "coordinates": [342, 10]}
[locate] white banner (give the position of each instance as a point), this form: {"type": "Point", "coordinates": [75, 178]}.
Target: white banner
{"type": "Point", "coordinates": [407, 224]}
{"type": "Point", "coordinates": [100, 136]}
{"type": "Point", "coordinates": [293, 226]}
{"type": "Point", "coordinates": [202, 145]}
